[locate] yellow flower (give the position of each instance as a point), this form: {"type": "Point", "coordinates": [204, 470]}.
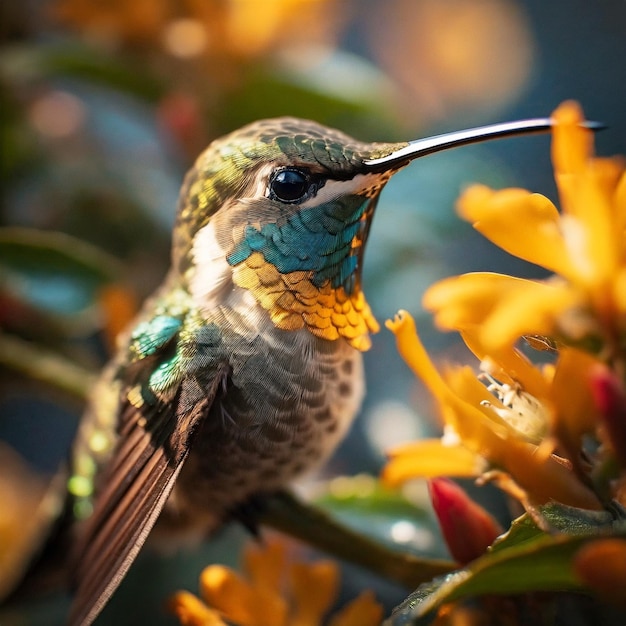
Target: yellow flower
{"type": "Point", "coordinates": [517, 423]}
{"type": "Point", "coordinates": [482, 430]}
{"type": "Point", "coordinates": [273, 592]}
{"type": "Point", "coordinates": [584, 245]}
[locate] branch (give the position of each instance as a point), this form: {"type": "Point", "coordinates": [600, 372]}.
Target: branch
{"type": "Point", "coordinates": [45, 366]}
{"type": "Point", "coordinates": [290, 515]}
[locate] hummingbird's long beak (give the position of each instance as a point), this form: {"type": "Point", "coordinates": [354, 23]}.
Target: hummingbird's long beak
{"type": "Point", "coordinates": [437, 143]}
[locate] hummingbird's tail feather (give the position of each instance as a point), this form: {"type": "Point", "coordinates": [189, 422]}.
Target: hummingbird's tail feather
{"type": "Point", "coordinates": [136, 486]}
{"type": "Point", "coordinates": [107, 560]}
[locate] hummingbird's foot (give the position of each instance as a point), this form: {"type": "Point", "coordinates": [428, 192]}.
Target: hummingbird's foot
{"type": "Point", "coordinates": [251, 512]}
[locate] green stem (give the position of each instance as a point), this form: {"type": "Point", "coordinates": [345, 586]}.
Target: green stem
{"type": "Point", "coordinates": [45, 366]}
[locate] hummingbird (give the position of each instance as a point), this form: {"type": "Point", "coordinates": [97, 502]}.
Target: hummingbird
{"type": "Point", "coordinates": [244, 369]}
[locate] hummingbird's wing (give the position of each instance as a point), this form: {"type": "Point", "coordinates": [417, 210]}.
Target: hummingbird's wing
{"type": "Point", "coordinates": [157, 420]}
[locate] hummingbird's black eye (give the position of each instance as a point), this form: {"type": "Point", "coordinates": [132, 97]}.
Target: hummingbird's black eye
{"type": "Point", "coordinates": [289, 185]}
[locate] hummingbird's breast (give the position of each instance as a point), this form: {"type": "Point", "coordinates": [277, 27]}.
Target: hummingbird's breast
{"type": "Point", "coordinates": [288, 401]}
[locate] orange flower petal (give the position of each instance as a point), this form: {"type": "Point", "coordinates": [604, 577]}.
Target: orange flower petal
{"type": "Point", "coordinates": [592, 243]}
{"type": "Point", "coordinates": [309, 589]}
{"type": "Point", "coordinates": [572, 396]}
{"type": "Point", "coordinates": [119, 306]}
{"type": "Point", "coordinates": [464, 301]}
{"type": "Point", "coordinates": [314, 588]}
{"type": "Point", "coordinates": [544, 478]}
{"type": "Point", "coordinates": [362, 611]}
{"type": "Point", "coordinates": [619, 298]}
{"type": "Point", "coordinates": [522, 416]}
{"type": "Point", "coordinates": [25, 496]}
{"type": "Point", "coordinates": [462, 381]}
{"type": "Point", "coordinates": [430, 458]}
{"type": "Point", "coordinates": [619, 200]}
{"type": "Point", "coordinates": [540, 475]}
{"type": "Point", "coordinates": [480, 430]}
{"type": "Point", "coordinates": [504, 308]}
{"type": "Point", "coordinates": [413, 352]}
{"type": "Point", "coordinates": [533, 308]}
{"type": "Point", "coordinates": [536, 236]}
{"type": "Point", "coordinates": [474, 427]}
{"type": "Point", "coordinates": [264, 563]}
{"type": "Point", "coordinates": [238, 600]}
{"type": "Point", "coordinates": [507, 364]}
{"type": "Point", "coordinates": [572, 145]}
{"type": "Point", "coordinates": [607, 175]}
{"type": "Point", "coordinates": [586, 186]}
{"type": "Point", "coordinates": [191, 611]}
{"type": "Point", "coordinates": [601, 565]}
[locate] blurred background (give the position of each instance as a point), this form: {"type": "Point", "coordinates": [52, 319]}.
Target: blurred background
{"type": "Point", "coordinates": [104, 104]}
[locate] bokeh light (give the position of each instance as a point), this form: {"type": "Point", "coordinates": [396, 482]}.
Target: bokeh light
{"type": "Point", "coordinates": [454, 55]}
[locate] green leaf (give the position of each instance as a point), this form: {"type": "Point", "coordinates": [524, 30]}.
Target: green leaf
{"type": "Point", "coordinates": [71, 59]}
{"type": "Point", "coordinates": [383, 514]}
{"type": "Point", "coordinates": [525, 559]}
{"type": "Point", "coordinates": [270, 93]}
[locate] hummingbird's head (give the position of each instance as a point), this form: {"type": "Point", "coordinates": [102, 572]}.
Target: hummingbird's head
{"type": "Point", "coordinates": [282, 208]}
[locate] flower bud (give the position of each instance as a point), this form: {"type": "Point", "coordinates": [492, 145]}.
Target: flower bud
{"type": "Point", "coordinates": [610, 398]}
{"type": "Point", "coordinates": [467, 528]}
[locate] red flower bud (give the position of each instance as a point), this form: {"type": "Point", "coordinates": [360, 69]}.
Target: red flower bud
{"type": "Point", "coordinates": [467, 528]}
{"type": "Point", "coordinates": [610, 398]}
